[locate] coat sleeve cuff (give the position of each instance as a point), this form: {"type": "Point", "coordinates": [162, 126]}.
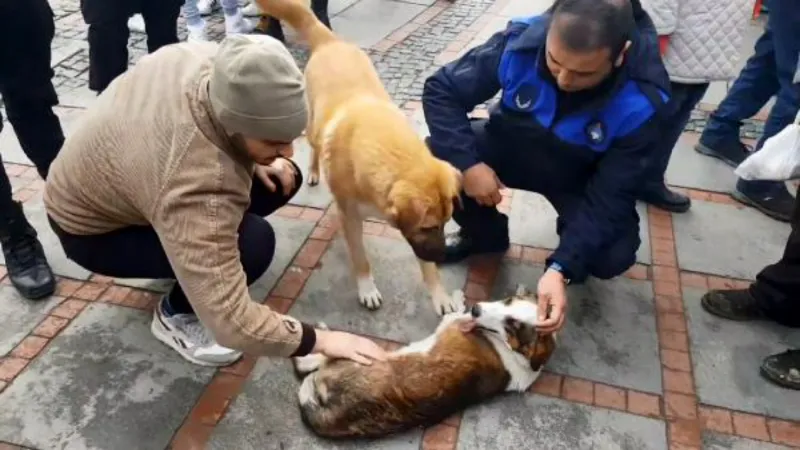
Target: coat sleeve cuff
{"type": "Point", "coordinates": [307, 342]}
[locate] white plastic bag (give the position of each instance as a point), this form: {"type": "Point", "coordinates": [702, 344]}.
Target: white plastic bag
{"type": "Point", "coordinates": [778, 159]}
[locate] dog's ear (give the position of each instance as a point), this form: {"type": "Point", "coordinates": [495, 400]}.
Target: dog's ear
{"type": "Point", "coordinates": [451, 187]}
{"type": "Point", "coordinates": [406, 211]}
{"type": "Point", "coordinates": [521, 291]}
{"type": "Point", "coordinates": [540, 350]}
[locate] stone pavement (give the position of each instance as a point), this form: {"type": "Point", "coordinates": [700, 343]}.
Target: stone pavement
{"type": "Point", "coordinates": [639, 366]}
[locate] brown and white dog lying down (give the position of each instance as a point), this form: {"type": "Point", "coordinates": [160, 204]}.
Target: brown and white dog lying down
{"type": "Point", "coordinates": [375, 163]}
{"type": "Point", "coordinates": [462, 363]}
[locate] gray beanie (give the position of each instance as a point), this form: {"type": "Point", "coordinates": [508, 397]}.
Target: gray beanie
{"type": "Point", "coordinates": [256, 89]}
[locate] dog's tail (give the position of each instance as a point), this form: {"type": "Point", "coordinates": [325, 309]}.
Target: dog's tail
{"type": "Point", "coordinates": [299, 16]}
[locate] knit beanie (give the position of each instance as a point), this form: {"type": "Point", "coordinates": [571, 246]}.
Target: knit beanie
{"type": "Point", "coordinates": [256, 89]}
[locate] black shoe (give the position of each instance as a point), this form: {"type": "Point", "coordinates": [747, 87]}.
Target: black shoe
{"type": "Point", "coordinates": [460, 246]}
{"type": "Point", "coordinates": [778, 206]}
{"type": "Point", "coordinates": [783, 369]}
{"type": "Point", "coordinates": [663, 198]}
{"type": "Point", "coordinates": [731, 154]}
{"type": "Point", "coordinates": [733, 304]}
{"type": "Point", "coordinates": [26, 263]}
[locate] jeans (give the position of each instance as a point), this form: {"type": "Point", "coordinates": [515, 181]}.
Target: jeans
{"type": "Point", "coordinates": [145, 257]}
{"type": "Point", "coordinates": [108, 33]}
{"type": "Point", "coordinates": [488, 224]}
{"type": "Point", "coordinates": [676, 115]}
{"type": "Point", "coordinates": [777, 286]}
{"type": "Point", "coordinates": [770, 71]}
{"type": "Point", "coordinates": [192, 14]}
{"type": "Point", "coordinates": [26, 85]}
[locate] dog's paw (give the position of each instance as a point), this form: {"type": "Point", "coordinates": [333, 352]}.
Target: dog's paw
{"type": "Point", "coordinates": [304, 365]}
{"type": "Point", "coordinates": [368, 294]}
{"type": "Point", "coordinates": [313, 179]}
{"type": "Point", "coordinates": [446, 304]}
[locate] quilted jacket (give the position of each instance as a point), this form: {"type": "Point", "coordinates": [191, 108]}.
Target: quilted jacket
{"type": "Point", "coordinates": [705, 36]}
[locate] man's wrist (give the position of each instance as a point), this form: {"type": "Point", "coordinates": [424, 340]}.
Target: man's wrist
{"type": "Point", "coordinates": [556, 268]}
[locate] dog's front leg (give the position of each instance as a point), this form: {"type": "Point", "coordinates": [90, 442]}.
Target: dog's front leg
{"type": "Point", "coordinates": [443, 303]}
{"type": "Point", "coordinates": [368, 293]}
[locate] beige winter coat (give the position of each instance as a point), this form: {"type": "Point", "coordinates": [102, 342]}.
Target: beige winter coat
{"type": "Point", "coordinates": [148, 152]}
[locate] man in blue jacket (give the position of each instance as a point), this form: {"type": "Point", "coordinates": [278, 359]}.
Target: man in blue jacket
{"type": "Point", "coordinates": [580, 96]}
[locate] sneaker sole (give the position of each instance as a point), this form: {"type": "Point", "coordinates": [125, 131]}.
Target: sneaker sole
{"type": "Point", "coordinates": [169, 342]}
{"type": "Point", "coordinates": [778, 380]}
{"type": "Point", "coordinates": [707, 151]}
{"type": "Point", "coordinates": [745, 200]}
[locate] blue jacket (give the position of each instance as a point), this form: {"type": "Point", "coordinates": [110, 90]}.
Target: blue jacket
{"type": "Point", "coordinates": [601, 151]}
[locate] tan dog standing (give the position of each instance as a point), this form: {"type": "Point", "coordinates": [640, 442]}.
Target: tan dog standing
{"type": "Point", "coordinates": [374, 162]}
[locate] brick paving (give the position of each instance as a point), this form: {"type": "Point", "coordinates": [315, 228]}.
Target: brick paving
{"type": "Point", "coordinates": [639, 366]}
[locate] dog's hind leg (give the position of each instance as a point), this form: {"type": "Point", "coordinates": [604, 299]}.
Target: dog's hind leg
{"type": "Point", "coordinates": [443, 303]}
{"type": "Point", "coordinates": [314, 143]}
{"type": "Point", "coordinates": [368, 294]}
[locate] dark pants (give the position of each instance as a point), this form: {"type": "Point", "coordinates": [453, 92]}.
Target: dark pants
{"type": "Point", "coordinates": [275, 29]}
{"type": "Point", "coordinates": [108, 33]}
{"type": "Point", "coordinates": [768, 72]}
{"type": "Point", "coordinates": [677, 113]}
{"type": "Point", "coordinates": [487, 223]}
{"type": "Point", "coordinates": [26, 85]}
{"type": "Point", "coordinates": [136, 252]}
{"type": "Point", "coordinates": [777, 287]}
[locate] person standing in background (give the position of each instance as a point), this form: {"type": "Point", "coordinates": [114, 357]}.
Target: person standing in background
{"type": "Point", "coordinates": [700, 43]}
{"type": "Point", "coordinates": [29, 96]}
{"type": "Point", "coordinates": [235, 22]}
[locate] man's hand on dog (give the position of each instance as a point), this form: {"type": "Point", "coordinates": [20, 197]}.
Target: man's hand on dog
{"type": "Point", "coordinates": [552, 292]}
{"type": "Point", "coordinates": [341, 345]}
{"type": "Point", "coordinates": [482, 184]}
{"type": "Point", "coordinates": [280, 169]}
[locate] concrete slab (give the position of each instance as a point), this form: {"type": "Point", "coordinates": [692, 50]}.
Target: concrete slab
{"type": "Point", "coordinates": [105, 382]}
{"type": "Point", "coordinates": [726, 240]}
{"type": "Point", "coordinates": [537, 422]}
{"type": "Point", "coordinates": [690, 169]}
{"type": "Point", "coordinates": [407, 313]}
{"type": "Point", "coordinates": [163, 285]}
{"type": "Point", "coordinates": [533, 223]}
{"type": "Point", "coordinates": [369, 21]}
{"type": "Point", "coordinates": [61, 265]}
{"type": "Point", "coordinates": [336, 7]}
{"type": "Point", "coordinates": [290, 235]}
{"type": "Point", "coordinates": [727, 356]}
{"type": "Point", "coordinates": [315, 196]}
{"type": "Point", "coordinates": [523, 8]}
{"type": "Point", "coordinates": [265, 416]}
{"type": "Point", "coordinates": [9, 146]}
{"type": "Point", "coordinates": [715, 441]}
{"type": "Point", "coordinates": [610, 335]}
{"type": "Point", "coordinates": [20, 316]}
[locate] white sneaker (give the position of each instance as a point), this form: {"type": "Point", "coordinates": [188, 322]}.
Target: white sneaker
{"type": "Point", "coordinates": [136, 23]}
{"type": "Point", "coordinates": [187, 336]}
{"type": "Point", "coordinates": [205, 6]}
{"type": "Point", "coordinates": [237, 24]}
{"type": "Point", "coordinates": [197, 33]}
{"type": "Point", "coordinates": [251, 10]}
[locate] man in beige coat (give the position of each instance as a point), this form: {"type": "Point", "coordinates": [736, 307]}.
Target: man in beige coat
{"type": "Point", "coordinates": [170, 174]}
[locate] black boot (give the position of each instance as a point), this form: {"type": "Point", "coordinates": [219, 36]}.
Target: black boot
{"type": "Point", "coordinates": [484, 239]}
{"type": "Point", "coordinates": [783, 369]}
{"type": "Point", "coordinates": [26, 263]}
{"type": "Point", "coordinates": [662, 197]}
{"type": "Point", "coordinates": [733, 304]}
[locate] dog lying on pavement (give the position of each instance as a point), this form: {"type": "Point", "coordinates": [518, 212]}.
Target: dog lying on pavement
{"type": "Point", "coordinates": [375, 163]}
{"type": "Point", "coordinates": [472, 356]}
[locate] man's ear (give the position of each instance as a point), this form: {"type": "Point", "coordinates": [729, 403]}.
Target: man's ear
{"type": "Point", "coordinates": [622, 54]}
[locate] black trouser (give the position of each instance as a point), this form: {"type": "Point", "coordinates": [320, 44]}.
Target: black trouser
{"type": "Point", "coordinates": [136, 252]}
{"type": "Point", "coordinates": [26, 85]}
{"type": "Point", "coordinates": [777, 286]}
{"type": "Point", "coordinates": [320, 8]}
{"type": "Point", "coordinates": [108, 33]}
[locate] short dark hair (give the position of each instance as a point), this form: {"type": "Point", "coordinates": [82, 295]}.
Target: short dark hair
{"type": "Point", "coordinates": [589, 25]}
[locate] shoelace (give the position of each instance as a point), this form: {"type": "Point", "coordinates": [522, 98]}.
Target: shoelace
{"type": "Point", "coordinates": [195, 331]}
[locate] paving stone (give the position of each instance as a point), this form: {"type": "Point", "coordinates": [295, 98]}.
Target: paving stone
{"type": "Point", "coordinates": [290, 235]}
{"type": "Point", "coordinates": [265, 416]}
{"type": "Point", "coordinates": [407, 313]}
{"type": "Point", "coordinates": [525, 8]}
{"type": "Point", "coordinates": [610, 334]}
{"type": "Point", "coordinates": [533, 223]}
{"type": "Point", "coordinates": [9, 146]}
{"type": "Point", "coordinates": [20, 316]}
{"type": "Point", "coordinates": [727, 240]}
{"type": "Point", "coordinates": [715, 441]}
{"type": "Point", "coordinates": [105, 382]}
{"type": "Point", "coordinates": [315, 196]}
{"type": "Point", "coordinates": [369, 21]}
{"type": "Point", "coordinates": [537, 422]}
{"type": "Point", "coordinates": [690, 169]}
{"type": "Point", "coordinates": [336, 7]}
{"type": "Point", "coordinates": [61, 265]}
{"type": "Point", "coordinates": [163, 285]}
{"type": "Point", "coordinates": [733, 351]}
